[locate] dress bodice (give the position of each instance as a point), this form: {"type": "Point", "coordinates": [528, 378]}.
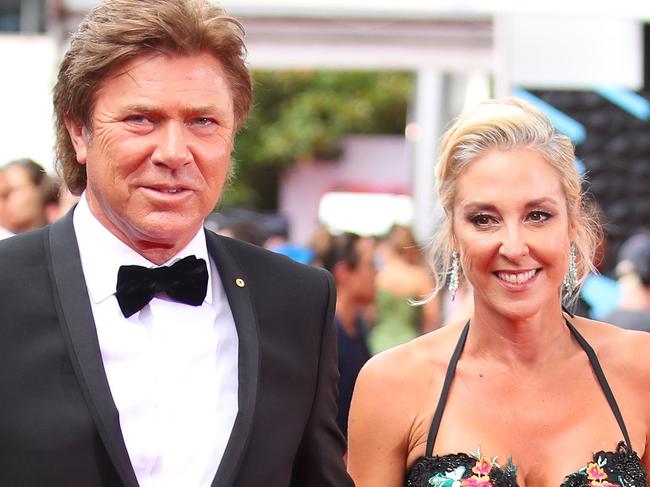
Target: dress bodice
{"type": "Point", "coordinates": [620, 467]}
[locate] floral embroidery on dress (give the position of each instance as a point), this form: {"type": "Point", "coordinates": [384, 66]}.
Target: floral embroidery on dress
{"type": "Point", "coordinates": [619, 468]}
{"type": "Point", "coordinates": [597, 475]}
{"type": "Point", "coordinates": [483, 467]}
{"type": "Point", "coordinates": [481, 470]}
{"type": "Point", "coordinates": [448, 479]}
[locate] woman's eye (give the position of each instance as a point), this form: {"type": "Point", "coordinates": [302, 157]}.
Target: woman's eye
{"type": "Point", "coordinates": [539, 216]}
{"type": "Point", "coordinates": [482, 220]}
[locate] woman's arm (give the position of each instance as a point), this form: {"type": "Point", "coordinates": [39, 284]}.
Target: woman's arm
{"type": "Point", "coordinates": [633, 350]}
{"type": "Point", "coordinates": [379, 424]}
{"type": "Point", "coordinates": [643, 345]}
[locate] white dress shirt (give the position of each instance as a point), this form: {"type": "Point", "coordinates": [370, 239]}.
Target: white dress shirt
{"type": "Point", "coordinates": [172, 368]}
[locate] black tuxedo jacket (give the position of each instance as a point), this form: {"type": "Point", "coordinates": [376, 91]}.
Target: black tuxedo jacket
{"type": "Point", "coordinates": [59, 426]}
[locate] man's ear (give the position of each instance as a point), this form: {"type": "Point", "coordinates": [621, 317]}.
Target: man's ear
{"type": "Point", "coordinates": [79, 137]}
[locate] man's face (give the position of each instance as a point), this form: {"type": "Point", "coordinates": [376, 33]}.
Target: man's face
{"type": "Point", "coordinates": [158, 152]}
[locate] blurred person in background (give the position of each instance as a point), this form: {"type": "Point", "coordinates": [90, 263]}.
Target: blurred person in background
{"type": "Point", "coordinates": [51, 199]}
{"type": "Point", "coordinates": [633, 271]}
{"type": "Point", "coordinates": [27, 187]}
{"type": "Point", "coordinates": [402, 279]}
{"type": "Point", "coordinates": [245, 231]}
{"type": "Point", "coordinates": [57, 199]}
{"type": "Point", "coordinates": [524, 393]}
{"type": "Point", "coordinates": [350, 259]}
{"type": "Point", "coordinates": [66, 200]}
{"type": "Point", "coordinates": [242, 225]}
{"type": "Point", "coordinates": [277, 232]}
{"type": "Point", "coordinates": [320, 243]}
{"type": "Point", "coordinates": [4, 232]}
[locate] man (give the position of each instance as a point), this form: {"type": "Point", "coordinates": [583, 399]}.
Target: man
{"type": "Point", "coordinates": [351, 261]}
{"type": "Point", "coordinates": [218, 367]}
{"type": "Point", "coordinates": [27, 186]}
{"type": "Point", "coordinates": [633, 269]}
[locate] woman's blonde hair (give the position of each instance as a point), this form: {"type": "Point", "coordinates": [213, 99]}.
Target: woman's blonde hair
{"type": "Point", "coordinates": [507, 124]}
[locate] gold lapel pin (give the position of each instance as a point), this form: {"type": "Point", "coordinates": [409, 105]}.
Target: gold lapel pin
{"type": "Point", "coordinates": [240, 282]}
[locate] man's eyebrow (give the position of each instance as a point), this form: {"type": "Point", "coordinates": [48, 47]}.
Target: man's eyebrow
{"type": "Point", "coordinates": [202, 109]}
{"type": "Point", "coordinates": [140, 108]}
{"type": "Point", "coordinates": [144, 108]}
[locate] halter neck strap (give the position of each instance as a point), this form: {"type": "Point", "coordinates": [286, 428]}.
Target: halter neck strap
{"type": "Point", "coordinates": [602, 381]}
{"type": "Point", "coordinates": [442, 402]}
{"type": "Point", "coordinates": [451, 370]}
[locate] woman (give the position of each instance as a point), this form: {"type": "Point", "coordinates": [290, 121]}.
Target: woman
{"type": "Point", "coordinates": [402, 278]}
{"type": "Point", "coordinates": [516, 396]}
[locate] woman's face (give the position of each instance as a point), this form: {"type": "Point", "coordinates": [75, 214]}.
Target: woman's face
{"type": "Point", "coordinates": [512, 232]}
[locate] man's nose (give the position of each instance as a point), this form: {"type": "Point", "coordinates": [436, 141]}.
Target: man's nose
{"type": "Point", "coordinates": [513, 244]}
{"type": "Point", "coordinates": [171, 147]}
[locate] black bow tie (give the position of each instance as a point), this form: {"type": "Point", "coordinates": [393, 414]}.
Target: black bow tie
{"type": "Point", "coordinates": [185, 281]}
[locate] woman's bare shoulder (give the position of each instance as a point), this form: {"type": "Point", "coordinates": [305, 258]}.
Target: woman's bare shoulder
{"type": "Point", "coordinates": [617, 348]}
{"type": "Point", "coordinates": [604, 334]}
{"type": "Point", "coordinates": [394, 388]}
{"type": "Point", "coordinates": [421, 359]}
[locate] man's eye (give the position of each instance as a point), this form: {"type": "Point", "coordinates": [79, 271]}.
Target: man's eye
{"type": "Point", "coordinates": [539, 216]}
{"type": "Point", "coordinates": [203, 121]}
{"type": "Point", "coordinates": [137, 119]}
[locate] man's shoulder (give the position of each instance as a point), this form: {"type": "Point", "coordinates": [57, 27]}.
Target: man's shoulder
{"type": "Point", "coordinates": [23, 244]}
{"type": "Point", "coordinates": [23, 265]}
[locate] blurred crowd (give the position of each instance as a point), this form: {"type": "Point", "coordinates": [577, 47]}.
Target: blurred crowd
{"type": "Point", "coordinates": [29, 197]}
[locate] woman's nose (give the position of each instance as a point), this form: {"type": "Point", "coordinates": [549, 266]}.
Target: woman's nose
{"type": "Point", "coordinates": [513, 244]}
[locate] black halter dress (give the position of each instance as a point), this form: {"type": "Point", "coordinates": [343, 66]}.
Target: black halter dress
{"type": "Point", "coordinates": [621, 467]}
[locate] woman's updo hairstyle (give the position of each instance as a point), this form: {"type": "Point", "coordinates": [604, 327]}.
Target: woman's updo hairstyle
{"type": "Point", "coordinates": [507, 124]}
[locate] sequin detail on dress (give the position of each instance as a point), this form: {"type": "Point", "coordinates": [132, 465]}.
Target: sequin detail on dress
{"type": "Point", "coordinates": [463, 470]}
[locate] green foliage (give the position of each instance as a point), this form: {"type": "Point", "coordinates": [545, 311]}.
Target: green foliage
{"type": "Point", "coordinates": [302, 116]}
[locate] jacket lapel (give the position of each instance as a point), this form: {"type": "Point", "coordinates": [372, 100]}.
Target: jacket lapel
{"type": "Point", "coordinates": [236, 287]}
{"type": "Point", "coordinates": [78, 326]}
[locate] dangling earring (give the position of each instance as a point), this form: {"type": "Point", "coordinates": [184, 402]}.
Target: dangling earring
{"type": "Point", "coordinates": [453, 275]}
{"type": "Point", "coordinates": [570, 281]}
